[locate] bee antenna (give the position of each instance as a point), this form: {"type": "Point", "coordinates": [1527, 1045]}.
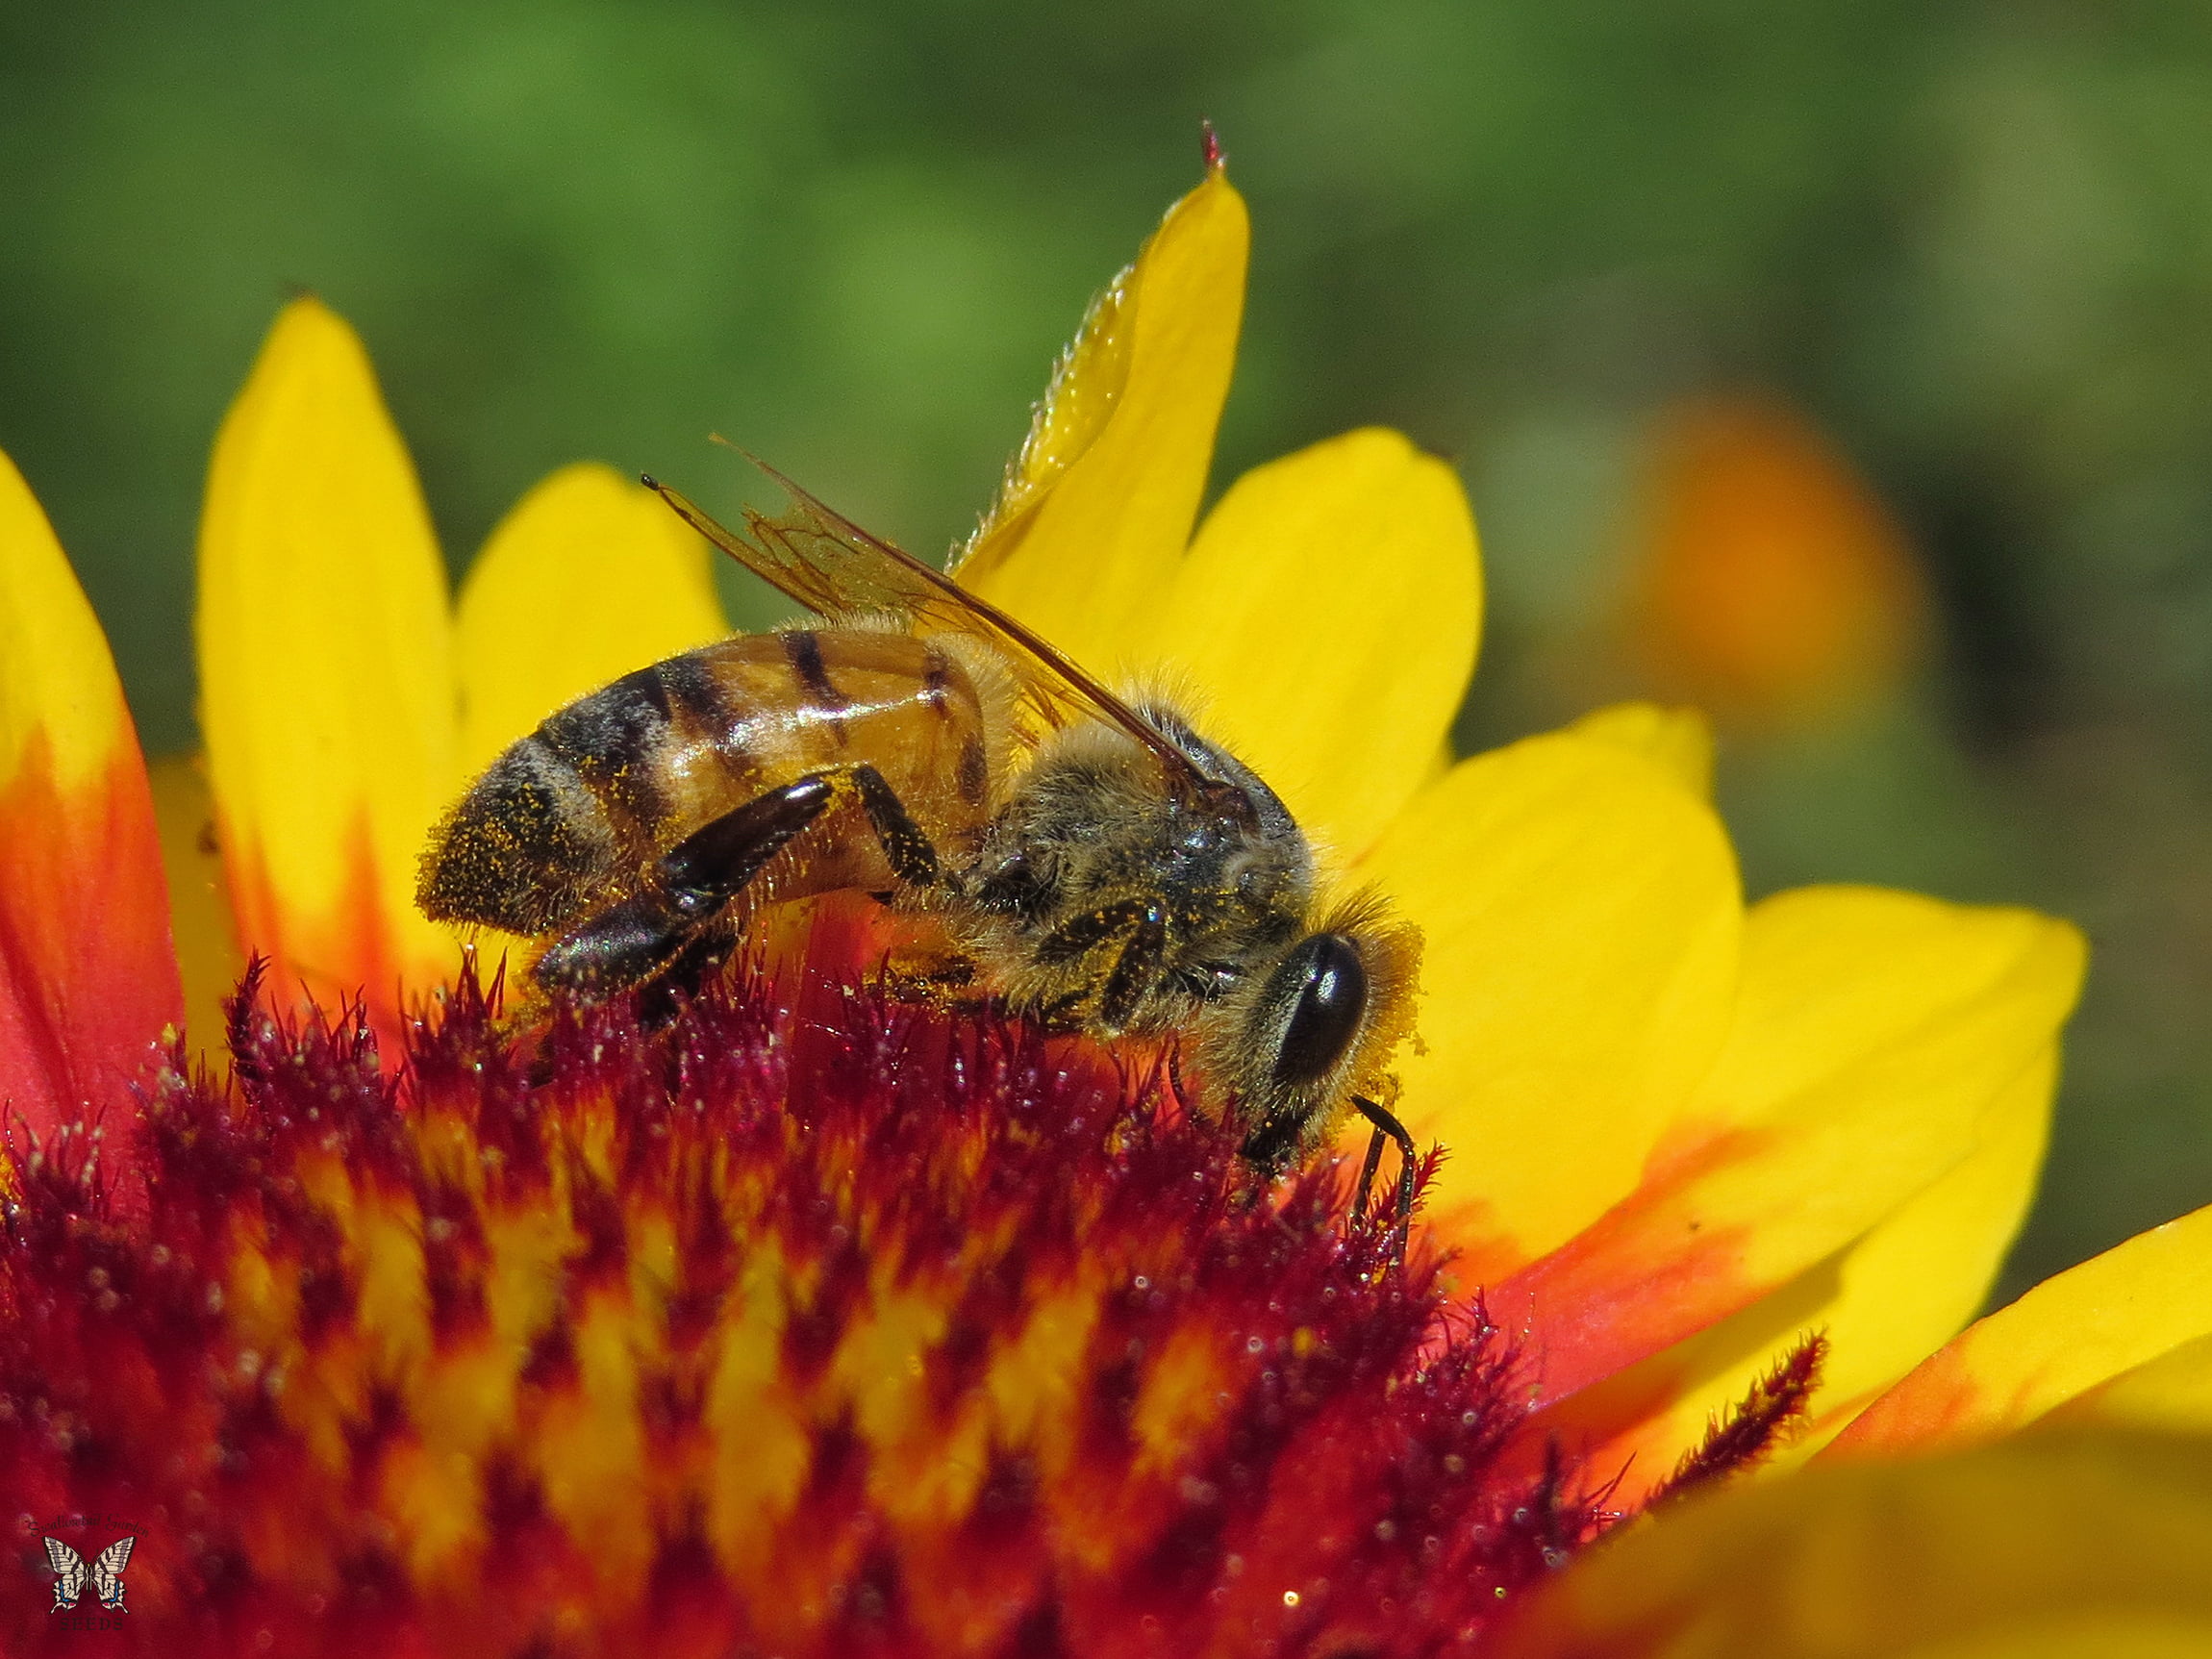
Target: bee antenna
{"type": "Point", "coordinates": [649, 481]}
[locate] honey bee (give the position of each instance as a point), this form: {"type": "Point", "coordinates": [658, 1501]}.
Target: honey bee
{"type": "Point", "coordinates": [1101, 864]}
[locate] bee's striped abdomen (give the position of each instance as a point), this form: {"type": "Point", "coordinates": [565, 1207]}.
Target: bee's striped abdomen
{"type": "Point", "coordinates": [568, 818]}
{"type": "Point", "coordinates": [531, 841]}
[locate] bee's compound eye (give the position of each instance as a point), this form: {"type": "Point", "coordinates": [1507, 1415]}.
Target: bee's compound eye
{"type": "Point", "coordinates": [1330, 985]}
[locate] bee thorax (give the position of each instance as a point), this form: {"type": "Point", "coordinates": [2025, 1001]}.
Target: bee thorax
{"type": "Point", "coordinates": [1104, 898]}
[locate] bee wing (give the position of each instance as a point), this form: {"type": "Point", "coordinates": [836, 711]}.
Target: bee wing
{"type": "Point", "coordinates": [831, 565]}
{"type": "Point", "coordinates": [68, 1573]}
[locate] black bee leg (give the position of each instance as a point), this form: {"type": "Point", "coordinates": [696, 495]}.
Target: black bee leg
{"type": "Point", "coordinates": [1367, 1168]}
{"type": "Point", "coordinates": [660, 927]}
{"type": "Point", "coordinates": [1137, 967]}
{"type": "Point", "coordinates": [647, 932]}
{"type": "Point", "coordinates": [912, 860]}
{"type": "Point", "coordinates": [1139, 928]}
{"type": "Point", "coordinates": [1386, 1129]}
{"type": "Point", "coordinates": [1085, 933]}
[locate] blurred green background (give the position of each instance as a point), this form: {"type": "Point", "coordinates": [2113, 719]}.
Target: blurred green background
{"type": "Point", "coordinates": [1972, 243]}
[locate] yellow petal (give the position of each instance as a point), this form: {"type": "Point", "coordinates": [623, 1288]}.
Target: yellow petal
{"type": "Point", "coordinates": [86, 978]}
{"type": "Point", "coordinates": [2171, 1393]}
{"type": "Point", "coordinates": [326, 669]}
{"type": "Point", "coordinates": [2062, 1545]}
{"type": "Point", "coordinates": [1874, 1035]}
{"type": "Point", "coordinates": [208, 955]}
{"type": "Point", "coordinates": [55, 675]}
{"type": "Point", "coordinates": [2083, 1636]}
{"type": "Point", "coordinates": [1581, 915]}
{"type": "Point", "coordinates": [1328, 613]}
{"type": "Point", "coordinates": [1098, 505]}
{"type": "Point", "coordinates": [1680, 740]}
{"type": "Point", "coordinates": [1915, 1280]}
{"type": "Point", "coordinates": [2138, 1301]}
{"type": "Point", "coordinates": [588, 577]}
{"type": "Point", "coordinates": [1884, 1304]}
{"type": "Point", "coordinates": [1877, 1033]}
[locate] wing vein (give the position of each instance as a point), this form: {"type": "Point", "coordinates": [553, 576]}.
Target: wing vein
{"type": "Point", "coordinates": [835, 568]}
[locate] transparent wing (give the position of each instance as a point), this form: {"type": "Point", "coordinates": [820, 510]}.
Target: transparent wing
{"type": "Point", "coordinates": [68, 1573]}
{"type": "Point", "coordinates": [107, 1570]}
{"type": "Point", "coordinates": [831, 565]}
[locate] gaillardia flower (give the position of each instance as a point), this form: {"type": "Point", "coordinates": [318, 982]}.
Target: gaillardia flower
{"type": "Point", "coordinates": [797, 1316]}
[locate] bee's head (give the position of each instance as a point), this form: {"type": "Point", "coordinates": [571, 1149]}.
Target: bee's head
{"type": "Point", "coordinates": [1317, 1029]}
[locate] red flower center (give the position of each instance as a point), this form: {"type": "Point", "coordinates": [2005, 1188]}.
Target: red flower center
{"type": "Point", "coordinates": [795, 1317]}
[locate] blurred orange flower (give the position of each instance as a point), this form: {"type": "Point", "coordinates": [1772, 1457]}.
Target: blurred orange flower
{"type": "Point", "coordinates": [1770, 585]}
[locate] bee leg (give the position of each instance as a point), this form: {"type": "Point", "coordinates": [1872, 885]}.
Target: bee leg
{"type": "Point", "coordinates": [656, 928]}
{"type": "Point", "coordinates": [1386, 1129]}
{"type": "Point", "coordinates": [1367, 1168]}
{"type": "Point", "coordinates": [1138, 967]}
{"type": "Point", "coordinates": [649, 931]}
{"type": "Point", "coordinates": [695, 963]}
{"type": "Point", "coordinates": [905, 844]}
{"type": "Point", "coordinates": [1083, 934]}
{"type": "Point", "coordinates": [1139, 928]}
